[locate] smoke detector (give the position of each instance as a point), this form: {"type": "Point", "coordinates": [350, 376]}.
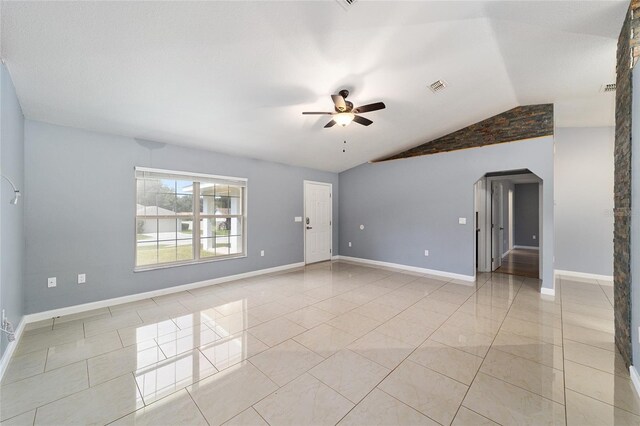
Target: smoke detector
{"type": "Point", "coordinates": [437, 86]}
{"type": "Point", "coordinates": [346, 4]}
{"type": "Point", "coordinates": [611, 87]}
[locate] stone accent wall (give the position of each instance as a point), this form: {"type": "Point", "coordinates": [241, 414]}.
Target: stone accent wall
{"type": "Point", "coordinates": [524, 122]}
{"type": "Point", "coordinates": [627, 56]}
{"type": "Point", "coordinates": [634, 30]}
{"type": "Point", "coordinates": [622, 196]}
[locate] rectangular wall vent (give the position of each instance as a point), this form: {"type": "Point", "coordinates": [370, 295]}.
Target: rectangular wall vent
{"type": "Point", "coordinates": [438, 86]}
{"type": "Point", "coordinates": [346, 4]}
{"type": "Point", "coordinates": [611, 87]}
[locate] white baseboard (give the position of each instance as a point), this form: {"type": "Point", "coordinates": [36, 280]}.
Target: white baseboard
{"type": "Point", "coordinates": [155, 293]}
{"type": "Point", "coordinates": [606, 279]}
{"type": "Point", "coordinates": [527, 247]}
{"type": "Point", "coordinates": [11, 347]}
{"type": "Point", "coordinates": [635, 379]}
{"type": "Point", "coordinates": [548, 291]}
{"type": "Point", "coordinates": [468, 278]}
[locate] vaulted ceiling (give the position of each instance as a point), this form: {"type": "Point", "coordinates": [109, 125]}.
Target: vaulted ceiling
{"type": "Point", "coordinates": [234, 77]}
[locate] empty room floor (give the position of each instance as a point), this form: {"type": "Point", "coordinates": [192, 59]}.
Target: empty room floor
{"type": "Point", "coordinates": [326, 344]}
{"type": "Point", "coordinates": [523, 262]}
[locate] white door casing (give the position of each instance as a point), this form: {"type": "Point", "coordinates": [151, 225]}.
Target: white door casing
{"type": "Point", "coordinates": [496, 225]}
{"type": "Point", "coordinates": [317, 221]}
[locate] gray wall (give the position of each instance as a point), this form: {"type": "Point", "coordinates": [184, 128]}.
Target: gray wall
{"type": "Point", "coordinates": [414, 204]}
{"type": "Point", "coordinates": [584, 199]}
{"type": "Point", "coordinates": [11, 217]}
{"type": "Point", "coordinates": [80, 206]}
{"type": "Point", "coordinates": [525, 214]}
{"type": "Point", "coordinates": [635, 219]}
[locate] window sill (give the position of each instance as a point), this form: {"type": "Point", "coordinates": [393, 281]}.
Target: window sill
{"type": "Point", "coordinates": [190, 263]}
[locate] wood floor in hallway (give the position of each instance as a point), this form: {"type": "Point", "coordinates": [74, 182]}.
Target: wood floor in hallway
{"type": "Point", "coordinates": [522, 262]}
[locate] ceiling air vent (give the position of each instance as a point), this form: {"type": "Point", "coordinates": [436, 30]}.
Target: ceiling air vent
{"type": "Point", "coordinates": [438, 86]}
{"type": "Point", "coordinates": [346, 4]}
{"type": "Point", "coordinates": [611, 87]}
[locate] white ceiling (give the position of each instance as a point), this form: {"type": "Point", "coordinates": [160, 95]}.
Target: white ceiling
{"type": "Point", "coordinates": [234, 77]}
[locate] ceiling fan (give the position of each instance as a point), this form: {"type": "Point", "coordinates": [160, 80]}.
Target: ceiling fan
{"type": "Point", "coordinates": [345, 113]}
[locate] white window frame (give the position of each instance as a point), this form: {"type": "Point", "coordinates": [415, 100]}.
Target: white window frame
{"type": "Point", "coordinates": [195, 239]}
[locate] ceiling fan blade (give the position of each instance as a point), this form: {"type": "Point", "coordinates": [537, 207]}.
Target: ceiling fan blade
{"type": "Point", "coordinates": [339, 102]}
{"type": "Point", "coordinates": [330, 124]}
{"type": "Point", "coordinates": [362, 120]}
{"type": "Point", "coordinates": [369, 108]}
{"type": "Point", "coordinates": [317, 112]}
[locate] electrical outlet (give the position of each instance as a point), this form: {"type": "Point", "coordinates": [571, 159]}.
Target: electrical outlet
{"type": "Point", "coordinates": [426, 252]}
{"type": "Point", "coordinates": [82, 278]}
{"type": "Point", "coordinates": [462, 220]}
{"type": "Point", "coordinates": [51, 282]}
{"type": "Point", "coordinates": [349, 243]}
{"type": "Point", "coordinates": [261, 252]}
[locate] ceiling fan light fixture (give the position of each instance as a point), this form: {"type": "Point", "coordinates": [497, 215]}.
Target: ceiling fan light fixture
{"type": "Point", "coordinates": [344, 118]}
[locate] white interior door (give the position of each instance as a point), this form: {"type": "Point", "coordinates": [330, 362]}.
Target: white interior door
{"type": "Point", "coordinates": [496, 225]}
{"type": "Point", "coordinates": [317, 222]}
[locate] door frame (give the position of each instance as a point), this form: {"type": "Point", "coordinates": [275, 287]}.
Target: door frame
{"type": "Point", "coordinates": [304, 216]}
{"type": "Point", "coordinates": [480, 229]}
{"type": "Point", "coordinates": [482, 202]}
{"type": "Point", "coordinates": [496, 223]}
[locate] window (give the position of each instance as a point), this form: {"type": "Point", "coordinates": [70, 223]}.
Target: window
{"type": "Point", "coordinates": [184, 218]}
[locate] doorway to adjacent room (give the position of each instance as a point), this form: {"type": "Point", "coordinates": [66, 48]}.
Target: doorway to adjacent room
{"type": "Point", "coordinates": [508, 223]}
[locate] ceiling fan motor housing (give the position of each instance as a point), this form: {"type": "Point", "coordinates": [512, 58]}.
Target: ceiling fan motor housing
{"type": "Point", "coordinates": [348, 108]}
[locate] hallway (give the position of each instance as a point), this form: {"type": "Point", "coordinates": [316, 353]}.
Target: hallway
{"type": "Point", "coordinates": [521, 262]}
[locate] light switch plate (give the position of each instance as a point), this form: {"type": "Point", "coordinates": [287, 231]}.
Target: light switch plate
{"type": "Point", "coordinates": [261, 252]}
{"type": "Point", "coordinates": [462, 220]}
{"type": "Point", "coordinates": [297, 219]}
{"type": "Point", "coordinates": [51, 282]}
{"type": "Point", "coordinates": [82, 278]}
{"type": "Point", "coordinates": [349, 243]}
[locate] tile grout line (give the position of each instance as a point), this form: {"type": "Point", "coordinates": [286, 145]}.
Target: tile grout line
{"type": "Point", "coordinates": [490, 346]}
{"type": "Point", "coordinates": [46, 360]}
{"type": "Point", "coordinates": [564, 359]}
{"type": "Point", "coordinates": [71, 394]}
{"type": "Point", "coordinates": [416, 348]}
{"type": "Point", "coordinates": [604, 402]}
{"type": "Point", "coordinates": [358, 338]}
{"type": "Point", "coordinates": [481, 415]}
{"type": "Point", "coordinates": [197, 406]}
{"type": "Point", "coordinates": [324, 359]}
{"type": "Point", "coordinates": [401, 402]}
{"type": "Point", "coordinates": [86, 364]}
{"type": "Point", "coordinates": [596, 368]}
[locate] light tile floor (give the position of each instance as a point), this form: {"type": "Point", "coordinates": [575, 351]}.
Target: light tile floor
{"type": "Point", "coordinates": [332, 343]}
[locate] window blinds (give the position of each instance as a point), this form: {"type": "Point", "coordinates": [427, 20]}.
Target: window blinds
{"type": "Point", "coordinates": [147, 173]}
